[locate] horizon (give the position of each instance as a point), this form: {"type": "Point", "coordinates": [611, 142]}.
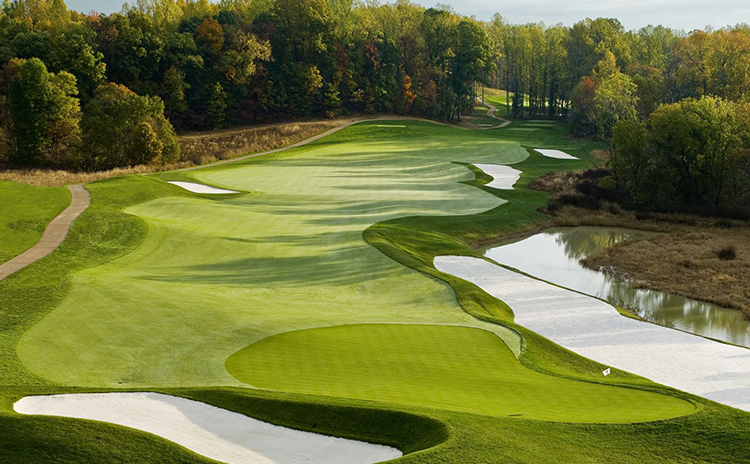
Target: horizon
{"type": "Point", "coordinates": [694, 14]}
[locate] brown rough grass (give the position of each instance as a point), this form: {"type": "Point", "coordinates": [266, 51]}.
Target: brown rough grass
{"type": "Point", "coordinates": [55, 178]}
{"type": "Point", "coordinates": [207, 147]}
{"type": "Point", "coordinates": [685, 260]}
{"type": "Point", "coordinates": [198, 148]}
{"type": "Point", "coordinates": [600, 155]}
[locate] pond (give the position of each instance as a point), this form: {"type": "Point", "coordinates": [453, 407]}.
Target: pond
{"type": "Point", "coordinates": [554, 255]}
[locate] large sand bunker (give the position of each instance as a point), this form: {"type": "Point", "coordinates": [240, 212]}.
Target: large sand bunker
{"type": "Point", "coordinates": [594, 329]}
{"type": "Point", "coordinates": [207, 430]}
{"type": "Point", "coordinates": [503, 177]}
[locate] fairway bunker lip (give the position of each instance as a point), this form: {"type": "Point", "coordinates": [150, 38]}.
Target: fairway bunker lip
{"type": "Point", "coordinates": [201, 188]}
{"type": "Point", "coordinates": [210, 431]}
{"type": "Point", "coordinates": [503, 176]}
{"type": "Point", "coordinates": [594, 329]}
{"type": "Point", "coordinates": [556, 154]}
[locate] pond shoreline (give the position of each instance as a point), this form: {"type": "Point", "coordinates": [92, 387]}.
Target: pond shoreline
{"type": "Point", "coordinates": [555, 255]}
{"type": "Point", "coordinates": [675, 227]}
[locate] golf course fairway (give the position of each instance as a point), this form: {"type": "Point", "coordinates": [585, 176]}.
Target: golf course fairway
{"type": "Point", "coordinates": [315, 284]}
{"type": "Point", "coordinates": [429, 366]}
{"type": "Point", "coordinates": [213, 275]}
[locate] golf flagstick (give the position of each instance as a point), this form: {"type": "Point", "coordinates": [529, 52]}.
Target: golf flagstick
{"type": "Point", "coordinates": [606, 372]}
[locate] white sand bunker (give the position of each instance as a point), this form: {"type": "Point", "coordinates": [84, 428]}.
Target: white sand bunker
{"type": "Point", "coordinates": [207, 430]}
{"type": "Point", "coordinates": [594, 329]}
{"type": "Point", "coordinates": [200, 188]}
{"type": "Point", "coordinates": [557, 154]}
{"type": "Point", "coordinates": [503, 177]}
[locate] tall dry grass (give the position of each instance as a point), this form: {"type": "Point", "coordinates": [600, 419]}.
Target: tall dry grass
{"type": "Point", "coordinates": [56, 178]}
{"type": "Point", "coordinates": [220, 145]}
{"type": "Point", "coordinates": [199, 148]}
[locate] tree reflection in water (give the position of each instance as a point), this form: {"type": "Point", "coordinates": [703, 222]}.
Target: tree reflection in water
{"type": "Point", "coordinates": [555, 254]}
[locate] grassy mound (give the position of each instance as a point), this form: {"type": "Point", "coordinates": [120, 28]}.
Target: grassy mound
{"type": "Point", "coordinates": [430, 366]}
{"type": "Point", "coordinates": [155, 287]}
{"type": "Point", "coordinates": [213, 275]}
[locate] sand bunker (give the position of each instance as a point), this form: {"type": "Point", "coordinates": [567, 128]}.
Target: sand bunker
{"type": "Point", "coordinates": [557, 154]}
{"type": "Point", "coordinates": [207, 430]}
{"type": "Point", "coordinates": [594, 329]}
{"type": "Point", "coordinates": [503, 176]}
{"type": "Point", "coordinates": [200, 188]}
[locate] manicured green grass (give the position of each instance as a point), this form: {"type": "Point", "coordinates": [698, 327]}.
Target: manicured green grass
{"type": "Point", "coordinates": [480, 117]}
{"type": "Point", "coordinates": [497, 97]}
{"type": "Point", "coordinates": [214, 275]}
{"type": "Point", "coordinates": [25, 211]}
{"type": "Point", "coordinates": [155, 287]}
{"type": "Point", "coordinates": [430, 366]}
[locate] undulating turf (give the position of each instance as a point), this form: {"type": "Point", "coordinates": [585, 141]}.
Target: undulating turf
{"type": "Point", "coordinates": [430, 366]}
{"type": "Point", "coordinates": [214, 275]}
{"type": "Point", "coordinates": [25, 211]}
{"type": "Point", "coordinates": [155, 287]}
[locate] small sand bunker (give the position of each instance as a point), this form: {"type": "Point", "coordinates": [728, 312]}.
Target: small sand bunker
{"type": "Point", "coordinates": [207, 430]}
{"type": "Point", "coordinates": [200, 188]}
{"type": "Point", "coordinates": [557, 154]}
{"type": "Point", "coordinates": [503, 176]}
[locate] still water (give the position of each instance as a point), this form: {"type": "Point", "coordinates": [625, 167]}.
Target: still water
{"type": "Point", "coordinates": [554, 255]}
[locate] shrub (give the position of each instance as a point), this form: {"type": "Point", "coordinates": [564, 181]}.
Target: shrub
{"type": "Point", "coordinates": [608, 183]}
{"type": "Point", "coordinates": [689, 264]}
{"type": "Point", "coordinates": [728, 253]}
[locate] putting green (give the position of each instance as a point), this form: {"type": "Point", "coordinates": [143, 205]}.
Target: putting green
{"type": "Point", "coordinates": [453, 368]}
{"type": "Point", "coordinates": [215, 274]}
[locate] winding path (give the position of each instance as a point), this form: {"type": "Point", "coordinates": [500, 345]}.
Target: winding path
{"type": "Point", "coordinates": [491, 113]}
{"type": "Point", "coordinates": [53, 236]}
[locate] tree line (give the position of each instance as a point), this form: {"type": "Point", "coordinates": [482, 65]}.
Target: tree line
{"type": "Point", "coordinates": [672, 107]}
{"type": "Point", "coordinates": [94, 91]}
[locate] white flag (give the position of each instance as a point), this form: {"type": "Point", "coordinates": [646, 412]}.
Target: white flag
{"type": "Point", "coordinates": [606, 372]}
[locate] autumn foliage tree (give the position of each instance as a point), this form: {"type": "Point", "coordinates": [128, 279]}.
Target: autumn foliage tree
{"type": "Point", "coordinates": [688, 154]}
{"type": "Point", "coordinates": [117, 121]}
{"type": "Point", "coordinates": [45, 114]}
{"type": "Point", "coordinates": [219, 64]}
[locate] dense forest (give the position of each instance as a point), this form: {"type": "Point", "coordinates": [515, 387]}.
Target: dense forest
{"type": "Point", "coordinates": [94, 91]}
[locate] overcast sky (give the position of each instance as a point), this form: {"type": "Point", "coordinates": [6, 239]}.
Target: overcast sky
{"type": "Point", "coordinates": [678, 14]}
